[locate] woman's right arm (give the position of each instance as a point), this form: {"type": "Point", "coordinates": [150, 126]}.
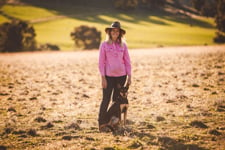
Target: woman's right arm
{"type": "Point", "coordinates": [101, 65]}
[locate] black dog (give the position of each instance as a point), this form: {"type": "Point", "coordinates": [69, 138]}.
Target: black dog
{"type": "Point", "coordinates": [119, 107]}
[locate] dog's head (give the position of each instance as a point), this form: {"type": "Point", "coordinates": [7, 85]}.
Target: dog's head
{"type": "Point", "coordinates": [123, 90]}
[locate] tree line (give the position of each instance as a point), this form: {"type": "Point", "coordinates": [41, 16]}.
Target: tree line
{"type": "Point", "coordinates": [19, 35]}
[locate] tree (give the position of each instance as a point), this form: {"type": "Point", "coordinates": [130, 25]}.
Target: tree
{"type": "Point", "coordinates": [2, 2]}
{"type": "Point", "coordinates": [86, 37]}
{"type": "Point", "coordinates": [197, 4]}
{"type": "Point", "coordinates": [208, 9]}
{"type": "Point", "coordinates": [220, 22]}
{"type": "Point", "coordinates": [205, 7]}
{"type": "Point", "coordinates": [126, 4]}
{"type": "Point", "coordinates": [154, 4]}
{"type": "Point", "coordinates": [17, 36]}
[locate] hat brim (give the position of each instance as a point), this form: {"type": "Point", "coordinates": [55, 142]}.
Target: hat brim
{"type": "Point", "coordinates": [121, 30]}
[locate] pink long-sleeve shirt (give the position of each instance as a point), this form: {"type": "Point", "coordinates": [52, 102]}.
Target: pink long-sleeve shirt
{"type": "Point", "coordinates": [114, 60]}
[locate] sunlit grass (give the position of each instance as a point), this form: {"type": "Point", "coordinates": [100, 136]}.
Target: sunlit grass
{"type": "Point", "coordinates": [149, 34]}
{"type": "Point", "coordinates": [3, 19]}
{"type": "Point", "coordinates": [55, 32]}
{"type": "Point", "coordinates": [138, 35]}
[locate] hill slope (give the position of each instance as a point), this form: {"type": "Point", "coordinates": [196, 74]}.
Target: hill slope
{"type": "Point", "coordinates": [53, 23]}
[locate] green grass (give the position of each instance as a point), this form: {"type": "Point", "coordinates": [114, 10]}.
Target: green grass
{"type": "Point", "coordinates": [3, 19]}
{"type": "Point", "coordinates": [26, 12]}
{"type": "Point", "coordinates": [144, 30]}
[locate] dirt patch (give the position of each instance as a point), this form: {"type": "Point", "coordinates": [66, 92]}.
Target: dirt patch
{"type": "Point", "coordinates": [50, 100]}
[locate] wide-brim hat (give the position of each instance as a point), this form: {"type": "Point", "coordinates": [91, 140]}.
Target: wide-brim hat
{"type": "Point", "coordinates": [115, 24]}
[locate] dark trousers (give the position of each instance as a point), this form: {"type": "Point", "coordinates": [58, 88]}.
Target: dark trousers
{"type": "Point", "coordinates": [112, 83]}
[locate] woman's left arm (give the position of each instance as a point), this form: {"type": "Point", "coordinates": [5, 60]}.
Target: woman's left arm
{"type": "Point", "coordinates": [127, 63]}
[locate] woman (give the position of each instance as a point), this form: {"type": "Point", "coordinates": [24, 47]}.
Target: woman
{"type": "Point", "coordinates": [114, 66]}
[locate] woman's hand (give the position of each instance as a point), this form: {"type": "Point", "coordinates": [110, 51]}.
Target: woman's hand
{"type": "Point", "coordinates": [104, 82]}
{"type": "Point", "coordinates": [129, 80]}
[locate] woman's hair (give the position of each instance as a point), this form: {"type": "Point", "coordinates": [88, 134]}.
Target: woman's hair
{"type": "Point", "coordinates": [120, 38]}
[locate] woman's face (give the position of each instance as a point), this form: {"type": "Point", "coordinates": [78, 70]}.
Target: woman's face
{"type": "Point", "coordinates": [115, 32]}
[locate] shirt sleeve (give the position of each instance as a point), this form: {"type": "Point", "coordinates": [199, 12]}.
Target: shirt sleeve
{"type": "Point", "coordinates": [127, 61]}
{"type": "Point", "coordinates": [102, 59]}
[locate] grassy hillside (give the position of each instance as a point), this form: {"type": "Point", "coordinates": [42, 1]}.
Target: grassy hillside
{"type": "Point", "coordinates": [53, 24]}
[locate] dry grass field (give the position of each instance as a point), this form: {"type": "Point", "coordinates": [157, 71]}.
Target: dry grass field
{"type": "Point", "coordinates": [50, 101]}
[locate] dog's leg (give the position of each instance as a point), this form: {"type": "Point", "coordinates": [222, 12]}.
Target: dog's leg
{"type": "Point", "coordinates": [125, 117]}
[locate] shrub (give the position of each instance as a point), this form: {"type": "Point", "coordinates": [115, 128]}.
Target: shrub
{"type": "Point", "coordinates": [17, 36]}
{"type": "Point", "coordinates": [86, 37]}
{"type": "Point", "coordinates": [48, 46]}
